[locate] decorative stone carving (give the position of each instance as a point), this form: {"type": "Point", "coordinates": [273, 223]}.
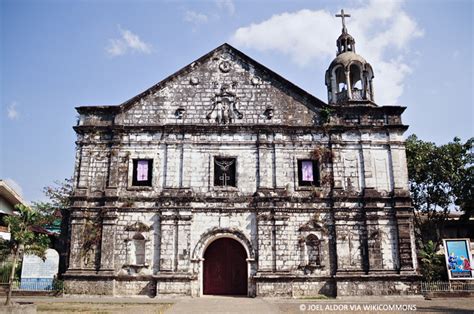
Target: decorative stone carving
{"type": "Point", "coordinates": [138, 227]}
{"type": "Point", "coordinates": [179, 113]}
{"type": "Point", "coordinates": [268, 113]}
{"type": "Point", "coordinates": [224, 109]}
{"type": "Point", "coordinates": [225, 66]}
{"type": "Point", "coordinates": [194, 81]}
{"type": "Point", "coordinates": [255, 81]}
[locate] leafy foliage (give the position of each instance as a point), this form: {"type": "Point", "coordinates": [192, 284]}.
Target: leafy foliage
{"type": "Point", "coordinates": [59, 201]}
{"type": "Point", "coordinates": [441, 179]}
{"type": "Point", "coordinates": [23, 239]}
{"type": "Point", "coordinates": [433, 266]}
{"type": "Point", "coordinates": [58, 204]}
{"type": "Point", "coordinates": [22, 236]}
{"type": "Point", "coordinates": [325, 115]}
{"type": "Point", "coordinates": [60, 195]}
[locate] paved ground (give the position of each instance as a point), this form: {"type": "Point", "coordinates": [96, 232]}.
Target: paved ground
{"type": "Point", "coordinates": [218, 304]}
{"type": "Point", "coordinates": [377, 305]}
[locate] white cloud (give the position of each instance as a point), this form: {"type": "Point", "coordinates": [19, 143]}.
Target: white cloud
{"type": "Point", "coordinates": [195, 17]}
{"type": "Point", "coordinates": [12, 112]}
{"type": "Point", "coordinates": [15, 186]}
{"type": "Point", "coordinates": [128, 42]}
{"type": "Point", "coordinates": [304, 35]}
{"type": "Point", "coordinates": [227, 5]}
{"type": "Point", "coordinates": [382, 29]}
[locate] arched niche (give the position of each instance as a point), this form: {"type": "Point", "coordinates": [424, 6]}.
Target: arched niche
{"type": "Point", "coordinates": [138, 248]}
{"type": "Point", "coordinates": [357, 81]}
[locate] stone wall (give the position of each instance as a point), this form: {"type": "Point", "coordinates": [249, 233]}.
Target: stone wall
{"type": "Point", "coordinates": [300, 240]}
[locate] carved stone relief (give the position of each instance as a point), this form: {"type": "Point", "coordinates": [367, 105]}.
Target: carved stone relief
{"type": "Point", "coordinates": [224, 108]}
{"type": "Point", "coordinates": [225, 66]}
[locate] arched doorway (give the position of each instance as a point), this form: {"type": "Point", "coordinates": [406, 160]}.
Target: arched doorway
{"type": "Point", "coordinates": [225, 268]}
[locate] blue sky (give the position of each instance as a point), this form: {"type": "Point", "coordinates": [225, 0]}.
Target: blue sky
{"type": "Point", "coordinates": [56, 55]}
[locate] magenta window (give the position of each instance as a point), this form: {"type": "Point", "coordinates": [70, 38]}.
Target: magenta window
{"type": "Point", "coordinates": [307, 170]}
{"type": "Point", "coordinates": [142, 170]}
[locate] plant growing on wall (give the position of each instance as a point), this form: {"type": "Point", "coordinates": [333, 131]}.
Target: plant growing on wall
{"type": "Point", "coordinates": [325, 115]}
{"type": "Point", "coordinates": [322, 154]}
{"type": "Point", "coordinates": [91, 237]}
{"type": "Point", "coordinates": [23, 240]}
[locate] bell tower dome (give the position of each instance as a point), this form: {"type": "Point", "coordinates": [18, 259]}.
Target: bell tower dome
{"type": "Point", "coordinates": [349, 76]}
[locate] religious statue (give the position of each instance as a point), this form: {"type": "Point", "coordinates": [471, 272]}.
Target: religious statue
{"type": "Point", "coordinates": [224, 108]}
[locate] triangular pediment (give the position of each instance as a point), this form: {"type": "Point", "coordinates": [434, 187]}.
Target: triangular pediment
{"type": "Point", "coordinates": [224, 86]}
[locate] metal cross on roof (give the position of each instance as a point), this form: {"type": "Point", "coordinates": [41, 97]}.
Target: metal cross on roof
{"type": "Point", "coordinates": [343, 16]}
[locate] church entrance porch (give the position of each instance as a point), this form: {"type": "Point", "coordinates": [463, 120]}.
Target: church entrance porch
{"type": "Point", "coordinates": [225, 268]}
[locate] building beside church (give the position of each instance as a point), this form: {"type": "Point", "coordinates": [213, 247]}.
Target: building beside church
{"type": "Point", "coordinates": [226, 178]}
{"type": "Point", "coordinates": [9, 198]}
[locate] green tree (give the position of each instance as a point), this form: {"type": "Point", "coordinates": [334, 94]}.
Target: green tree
{"type": "Point", "coordinates": [441, 179]}
{"type": "Point", "coordinates": [60, 194]}
{"type": "Point", "coordinates": [58, 204]}
{"type": "Point", "coordinates": [22, 238]}
{"type": "Point", "coordinates": [433, 266]}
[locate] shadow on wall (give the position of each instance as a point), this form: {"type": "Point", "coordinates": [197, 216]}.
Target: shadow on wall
{"type": "Point", "coordinates": [149, 290]}
{"type": "Point", "coordinates": [328, 289]}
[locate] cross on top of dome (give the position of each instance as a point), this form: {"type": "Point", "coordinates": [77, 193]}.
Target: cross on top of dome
{"type": "Point", "coordinates": [345, 42]}
{"type": "Point", "coordinates": [343, 16]}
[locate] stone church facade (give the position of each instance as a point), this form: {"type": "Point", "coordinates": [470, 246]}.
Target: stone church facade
{"type": "Point", "coordinates": [226, 178]}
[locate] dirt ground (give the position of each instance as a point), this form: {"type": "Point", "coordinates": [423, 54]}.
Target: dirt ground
{"type": "Point", "coordinates": [103, 308]}
{"type": "Point", "coordinates": [382, 305]}
{"type": "Point", "coordinates": [221, 304]}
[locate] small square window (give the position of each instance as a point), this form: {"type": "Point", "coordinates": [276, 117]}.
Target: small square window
{"type": "Point", "coordinates": [308, 172]}
{"type": "Point", "coordinates": [142, 172]}
{"type": "Point", "coordinates": [224, 171]}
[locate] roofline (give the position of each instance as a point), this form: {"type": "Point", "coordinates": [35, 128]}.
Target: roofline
{"type": "Point", "coordinates": [360, 106]}
{"type": "Point", "coordinates": [10, 194]}
{"type": "Point", "coordinates": [108, 108]}
{"type": "Point", "coordinates": [124, 105]}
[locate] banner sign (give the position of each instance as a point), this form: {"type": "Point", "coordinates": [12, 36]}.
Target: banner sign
{"type": "Point", "coordinates": [458, 259]}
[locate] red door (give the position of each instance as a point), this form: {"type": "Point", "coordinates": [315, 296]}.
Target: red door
{"type": "Point", "coordinates": [225, 268]}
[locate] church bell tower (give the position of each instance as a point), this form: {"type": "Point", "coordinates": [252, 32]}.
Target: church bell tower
{"type": "Point", "coordinates": [349, 76]}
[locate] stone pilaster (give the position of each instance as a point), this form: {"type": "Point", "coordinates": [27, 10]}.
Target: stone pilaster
{"type": "Point", "coordinates": [282, 249]}
{"type": "Point", "coordinates": [107, 250]}
{"type": "Point", "coordinates": [113, 171]}
{"type": "Point", "coordinates": [265, 162]}
{"type": "Point", "coordinates": [77, 227]}
{"type": "Point", "coordinates": [399, 166]}
{"type": "Point", "coordinates": [405, 234]}
{"type": "Point", "coordinates": [183, 242]}
{"type": "Point", "coordinates": [374, 243]}
{"type": "Point", "coordinates": [369, 177]}
{"type": "Point", "coordinates": [168, 258]}
{"type": "Point", "coordinates": [265, 242]}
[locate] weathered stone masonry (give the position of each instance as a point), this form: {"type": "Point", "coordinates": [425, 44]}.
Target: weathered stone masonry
{"type": "Point", "coordinates": [349, 234]}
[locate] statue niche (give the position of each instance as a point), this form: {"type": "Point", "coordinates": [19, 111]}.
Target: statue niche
{"type": "Point", "coordinates": [224, 108]}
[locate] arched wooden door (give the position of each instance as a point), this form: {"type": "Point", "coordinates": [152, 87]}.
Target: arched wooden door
{"type": "Point", "coordinates": [225, 268]}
